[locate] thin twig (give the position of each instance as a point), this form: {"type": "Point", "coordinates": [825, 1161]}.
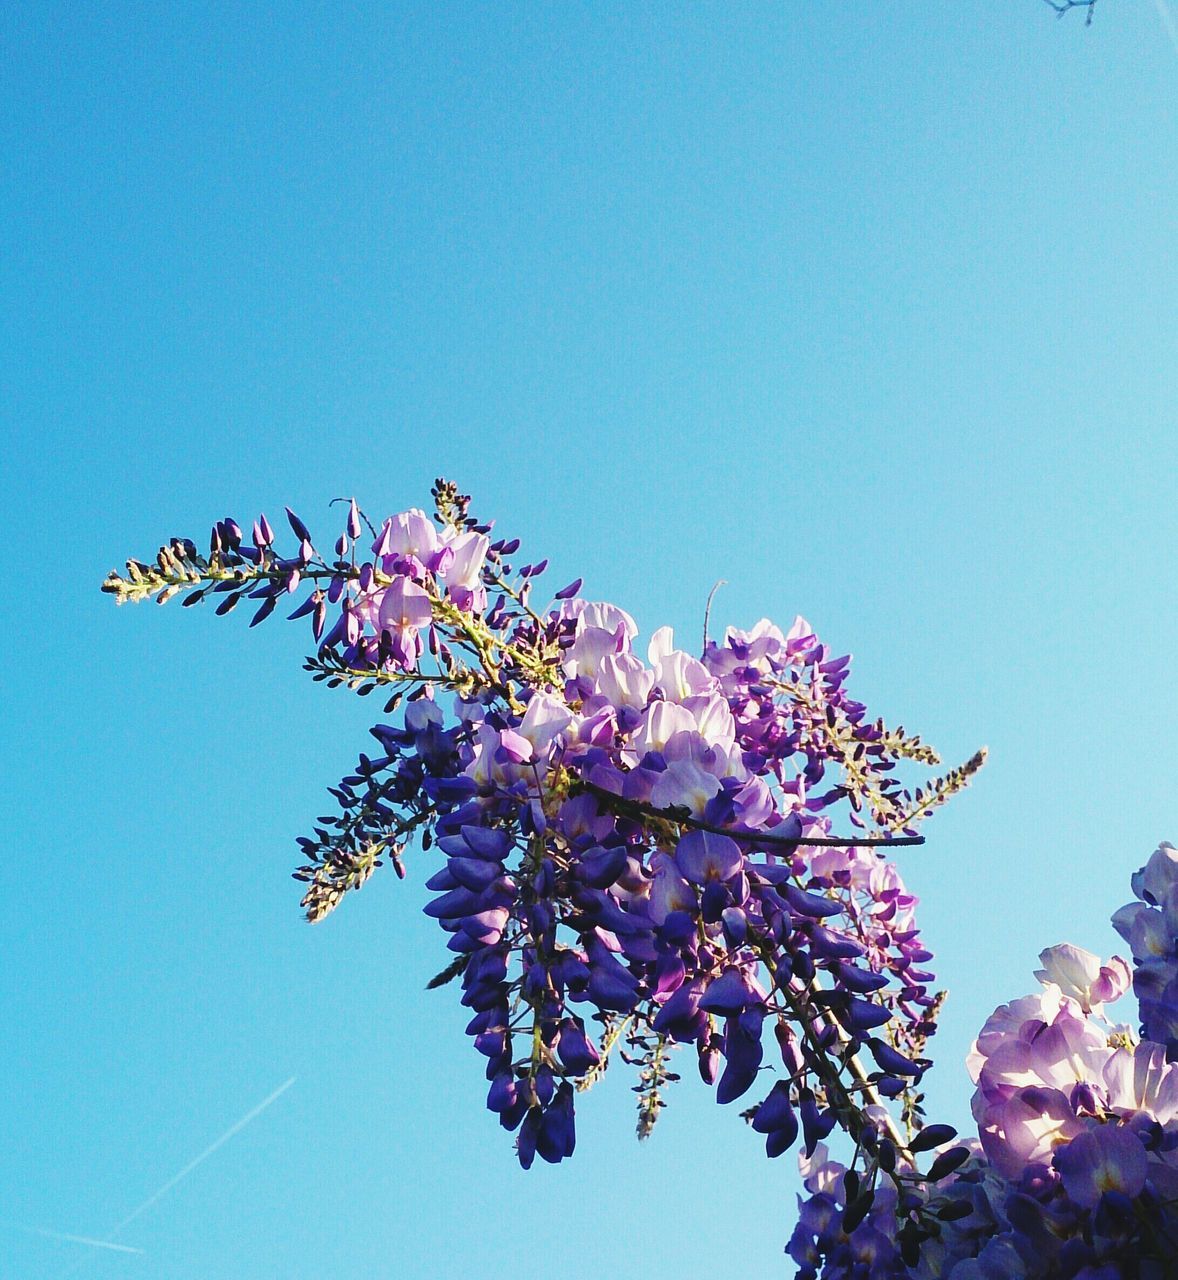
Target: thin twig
{"type": "Point", "coordinates": [720, 582]}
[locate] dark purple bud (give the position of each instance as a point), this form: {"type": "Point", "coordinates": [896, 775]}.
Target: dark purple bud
{"type": "Point", "coordinates": [487, 842]}
{"type": "Point", "coordinates": [567, 593]}
{"type": "Point", "coordinates": [736, 926]}
{"type": "Point", "coordinates": [449, 790]}
{"type": "Point", "coordinates": [453, 905]}
{"type": "Point", "coordinates": [932, 1135]}
{"type": "Point", "coordinates": [525, 1145]}
{"type": "Point", "coordinates": [809, 904]}
{"type": "Point", "coordinates": [599, 867]}
{"type": "Point", "coordinates": [491, 1043]}
{"type": "Point", "coordinates": [539, 918]}
{"type": "Point", "coordinates": [729, 993]}
{"type": "Point", "coordinates": [574, 1048]}
{"type": "Point", "coordinates": [510, 1117]}
{"type": "Point", "coordinates": [858, 980]}
{"type": "Point", "coordinates": [264, 611]}
{"type": "Point", "coordinates": [679, 1018]}
{"type": "Point", "coordinates": [829, 945]}
{"type": "Point", "coordinates": [300, 529]}
{"type": "Point", "coordinates": [612, 989]}
{"type": "Point", "coordinates": [890, 1060]}
{"type": "Point", "coordinates": [568, 970]}
{"type": "Point", "coordinates": [543, 1083]}
{"type": "Point", "coordinates": [857, 1210]}
{"type": "Point", "coordinates": [502, 1093]}
{"type": "Point", "coordinates": [544, 881]}
{"type": "Point", "coordinates": [714, 899]}
{"type": "Point", "coordinates": [816, 1125]}
{"type": "Point", "coordinates": [670, 973]}
{"type": "Point", "coordinates": [955, 1210]}
{"type": "Point", "coordinates": [737, 1079]}
{"type": "Point", "coordinates": [494, 1016]}
{"type": "Point", "coordinates": [488, 966]}
{"type": "Point", "coordinates": [947, 1162]}
{"type": "Point", "coordinates": [863, 1015]}
{"type": "Point", "coordinates": [474, 873]}
{"type": "Point", "coordinates": [775, 1112]}
{"type": "Point", "coordinates": [1116, 1214]}
{"type": "Point", "coordinates": [742, 1053]}
{"type": "Point", "coordinates": [355, 528]}
{"type": "Point", "coordinates": [558, 1136]}
{"type": "Point", "coordinates": [1083, 1098]}
{"type": "Point", "coordinates": [780, 1140]}
{"type": "Point", "coordinates": [803, 966]}
{"type": "Point", "coordinates": [791, 1050]}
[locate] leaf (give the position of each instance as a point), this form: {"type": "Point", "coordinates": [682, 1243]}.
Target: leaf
{"type": "Point", "coordinates": [448, 974]}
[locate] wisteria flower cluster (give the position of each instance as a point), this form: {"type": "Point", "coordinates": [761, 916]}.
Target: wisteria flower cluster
{"type": "Point", "coordinates": [1075, 1170]}
{"type": "Point", "coordinates": [638, 855]}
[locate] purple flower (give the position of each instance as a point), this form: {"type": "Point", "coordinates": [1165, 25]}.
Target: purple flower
{"type": "Point", "coordinates": [703, 856]}
{"type": "Point", "coordinates": [1102, 1159]}
{"type": "Point", "coordinates": [1080, 975]}
{"type": "Point", "coordinates": [732, 992]}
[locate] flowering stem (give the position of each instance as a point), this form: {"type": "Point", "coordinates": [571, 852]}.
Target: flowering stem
{"type": "Point", "coordinates": [636, 809]}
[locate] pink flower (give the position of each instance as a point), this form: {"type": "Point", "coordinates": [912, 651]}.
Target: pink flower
{"type": "Point", "coordinates": [404, 611]}
{"type": "Point", "coordinates": [1080, 975]}
{"type": "Point", "coordinates": [463, 574]}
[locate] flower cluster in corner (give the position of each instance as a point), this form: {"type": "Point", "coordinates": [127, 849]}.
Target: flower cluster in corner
{"type": "Point", "coordinates": [1074, 1173]}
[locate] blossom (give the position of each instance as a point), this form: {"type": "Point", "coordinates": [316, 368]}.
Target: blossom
{"type": "Point", "coordinates": [705, 856]}
{"type": "Point", "coordinates": [1101, 1159]}
{"type": "Point", "coordinates": [463, 574]}
{"type": "Point", "coordinates": [1080, 975]}
{"type": "Point", "coordinates": [684, 784]}
{"type": "Point", "coordinates": [410, 534]}
{"type": "Point", "coordinates": [404, 611]}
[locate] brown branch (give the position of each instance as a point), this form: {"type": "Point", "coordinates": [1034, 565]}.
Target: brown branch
{"type": "Point", "coordinates": [636, 809]}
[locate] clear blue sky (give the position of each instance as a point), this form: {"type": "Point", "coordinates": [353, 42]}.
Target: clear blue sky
{"type": "Point", "coordinates": [869, 309]}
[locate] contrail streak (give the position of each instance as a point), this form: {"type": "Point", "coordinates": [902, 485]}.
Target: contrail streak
{"type": "Point", "coordinates": [204, 1155]}
{"type": "Point", "coordinates": [71, 1239]}
{"type": "Point", "coordinates": [188, 1168]}
{"type": "Point", "coordinates": [1167, 17]}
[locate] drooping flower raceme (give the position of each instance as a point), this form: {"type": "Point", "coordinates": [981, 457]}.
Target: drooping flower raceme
{"type": "Point", "coordinates": [635, 848]}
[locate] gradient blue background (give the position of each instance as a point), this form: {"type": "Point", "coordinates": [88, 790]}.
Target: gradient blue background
{"type": "Point", "coordinates": [868, 309]}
